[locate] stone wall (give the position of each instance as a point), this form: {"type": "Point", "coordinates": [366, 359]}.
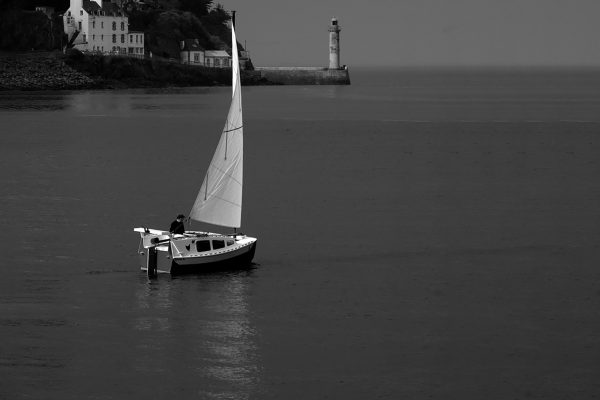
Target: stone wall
{"type": "Point", "coordinates": [304, 75]}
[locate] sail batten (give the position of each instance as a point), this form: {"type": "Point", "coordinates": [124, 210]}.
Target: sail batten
{"type": "Point", "coordinates": [219, 200]}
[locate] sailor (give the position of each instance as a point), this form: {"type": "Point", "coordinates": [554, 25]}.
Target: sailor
{"type": "Point", "coordinates": [177, 225]}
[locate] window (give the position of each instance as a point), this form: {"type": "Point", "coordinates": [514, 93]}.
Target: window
{"type": "Point", "coordinates": [122, 26]}
{"type": "Point", "coordinates": [136, 38]}
{"type": "Point", "coordinates": [114, 38]}
{"type": "Point", "coordinates": [101, 37]}
{"type": "Point", "coordinates": [230, 242]}
{"type": "Point", "coordinates": [130, 38]}
{"type": "Point", "coordinates": [79, 24]}
{"type": "Point", "coordinates": [84, 38]}
{"type": "Point", "coordinates": [122, 38]}
{"type": "Point", "coordinates": [130, 50]}
{"type": "Point", "coordinates": [218, 244]}
{"type": "Point", "coordinates": [202, 245]}
{"type": "Point", "coordinates": [196, 57]}
{"type": "Point", "coordinates": [80, 12]}
{"type": "Point", "coordinates": [114, 26]}
{"type": "Point", "coordinates": [217, 62]}
{"type": "Point", "coordinates": [93, 37]}
{"type": "Point", "coordinates": [102, 24]}
{"type": "Point", "coordinates": [94, 24]}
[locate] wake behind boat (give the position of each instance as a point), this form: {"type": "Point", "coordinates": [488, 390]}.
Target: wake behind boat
{"type": "Point", "coordinates": [219, 202]}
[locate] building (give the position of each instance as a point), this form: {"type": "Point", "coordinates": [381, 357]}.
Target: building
{"type": "Point", "coordinates": [217, 59]}
{"type": "Point", "coordinates": [192, 53]}
{"type": "Point", "coordinates": [334, 44]}
{"type": "Point", "coordinates": [101, 27]}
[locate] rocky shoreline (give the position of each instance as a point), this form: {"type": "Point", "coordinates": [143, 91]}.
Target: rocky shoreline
{"type": "Point", "coordinates": [76, 71]}
{"type": "Point", "coordinates": [47, 71]}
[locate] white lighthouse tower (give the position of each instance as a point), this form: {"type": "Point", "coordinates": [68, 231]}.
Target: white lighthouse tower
{"type": "Point", "coordinates": [334, 44]}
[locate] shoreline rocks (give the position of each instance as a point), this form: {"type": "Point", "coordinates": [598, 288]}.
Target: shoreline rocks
{"type": "Point", "coordinates": [40, 71]}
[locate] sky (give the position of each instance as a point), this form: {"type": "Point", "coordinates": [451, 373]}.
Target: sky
{"type": "Point", "coordinates": [421, 32]}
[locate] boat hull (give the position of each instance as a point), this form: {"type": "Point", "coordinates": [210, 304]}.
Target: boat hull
{"type": "Point", "coordinates": [238, 257]}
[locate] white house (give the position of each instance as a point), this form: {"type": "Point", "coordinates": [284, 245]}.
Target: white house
{"type": "Point", "coordinates": [192, 53]}
{"type": "Point", "coordinates": [217, 59]}
{"type": "Point", "coordinates": [102, 27]}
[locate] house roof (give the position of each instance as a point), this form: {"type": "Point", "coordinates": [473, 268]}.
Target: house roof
{"type": "Point", "coordinates": [191, 45]}
{"type": "Point", "coordinates": [216, 53]}
{"type": "Point", "coordinates": [91, 7]}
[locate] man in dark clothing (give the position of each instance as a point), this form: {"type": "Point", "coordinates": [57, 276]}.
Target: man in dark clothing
{"type": "Point", "coordinates": [177, 225]}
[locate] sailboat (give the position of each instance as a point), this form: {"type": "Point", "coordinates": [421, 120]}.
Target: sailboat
{"type": "Point", "coordinates": [219, 202]}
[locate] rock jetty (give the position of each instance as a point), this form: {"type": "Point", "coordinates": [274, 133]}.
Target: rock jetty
{"type": "Point", "coordinates": [40, 71]}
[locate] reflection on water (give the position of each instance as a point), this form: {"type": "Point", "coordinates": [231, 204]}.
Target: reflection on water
{"type": "Point", "coordinates": [33, 102]}
{"type": "Point", "coordinates": [111, 103]}
{"type": "Point", "coordinates": [201, 322]}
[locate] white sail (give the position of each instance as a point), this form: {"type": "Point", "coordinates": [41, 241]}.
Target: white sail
{"type": "Point", "coordinates": [219, 200]}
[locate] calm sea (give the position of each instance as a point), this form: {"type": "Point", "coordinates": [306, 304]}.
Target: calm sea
{"type": "Point", "coordinates": [422, 234]}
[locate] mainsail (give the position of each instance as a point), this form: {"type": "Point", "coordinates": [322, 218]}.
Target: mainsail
{"type": "Point", "coordinates": [219, 200]}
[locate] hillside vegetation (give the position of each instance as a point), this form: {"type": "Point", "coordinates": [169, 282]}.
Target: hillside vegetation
{"type": "Point", "coordinates": [165, 22]}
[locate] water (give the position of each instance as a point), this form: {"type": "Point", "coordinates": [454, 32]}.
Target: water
{"type": "Point", "coordinates": [422, 234]}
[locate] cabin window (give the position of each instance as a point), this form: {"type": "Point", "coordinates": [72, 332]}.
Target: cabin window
{"type": "Point", "coordinates": [218, 244]}
{"type": "Point", "coordinates": [230, 242]}
{"type": "Point", "coordinates": [202, 245]}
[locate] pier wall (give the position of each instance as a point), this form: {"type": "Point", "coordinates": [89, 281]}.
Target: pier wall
{"type": "Point", "coordinates": [304, 75]}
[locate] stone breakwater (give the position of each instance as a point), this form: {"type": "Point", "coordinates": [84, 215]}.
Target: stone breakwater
{"type": "Point", "coordinates": [40, 72]}
{"type": "Point", "coordinates": [304, 75]}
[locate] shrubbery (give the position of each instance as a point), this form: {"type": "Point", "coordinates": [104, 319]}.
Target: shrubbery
{"type": "Point", "coordinates": [22, 30]}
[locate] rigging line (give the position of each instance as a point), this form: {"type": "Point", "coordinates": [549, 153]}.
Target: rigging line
{"type": "Point", "coordinates": [206, 186]}
{"type": "Point", "coordinates": [234, 129]}
{"type": "Point", "coordinates": [225, 173]}
{"type": "Point", "coordinates": [228, 201]}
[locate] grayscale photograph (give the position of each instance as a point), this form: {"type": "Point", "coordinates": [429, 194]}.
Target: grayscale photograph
{"type": "Point", "coordinates": [288, 200]}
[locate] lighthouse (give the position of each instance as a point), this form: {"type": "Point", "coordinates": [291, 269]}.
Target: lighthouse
{"type": "Point", "coordinates": [334, 44]}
